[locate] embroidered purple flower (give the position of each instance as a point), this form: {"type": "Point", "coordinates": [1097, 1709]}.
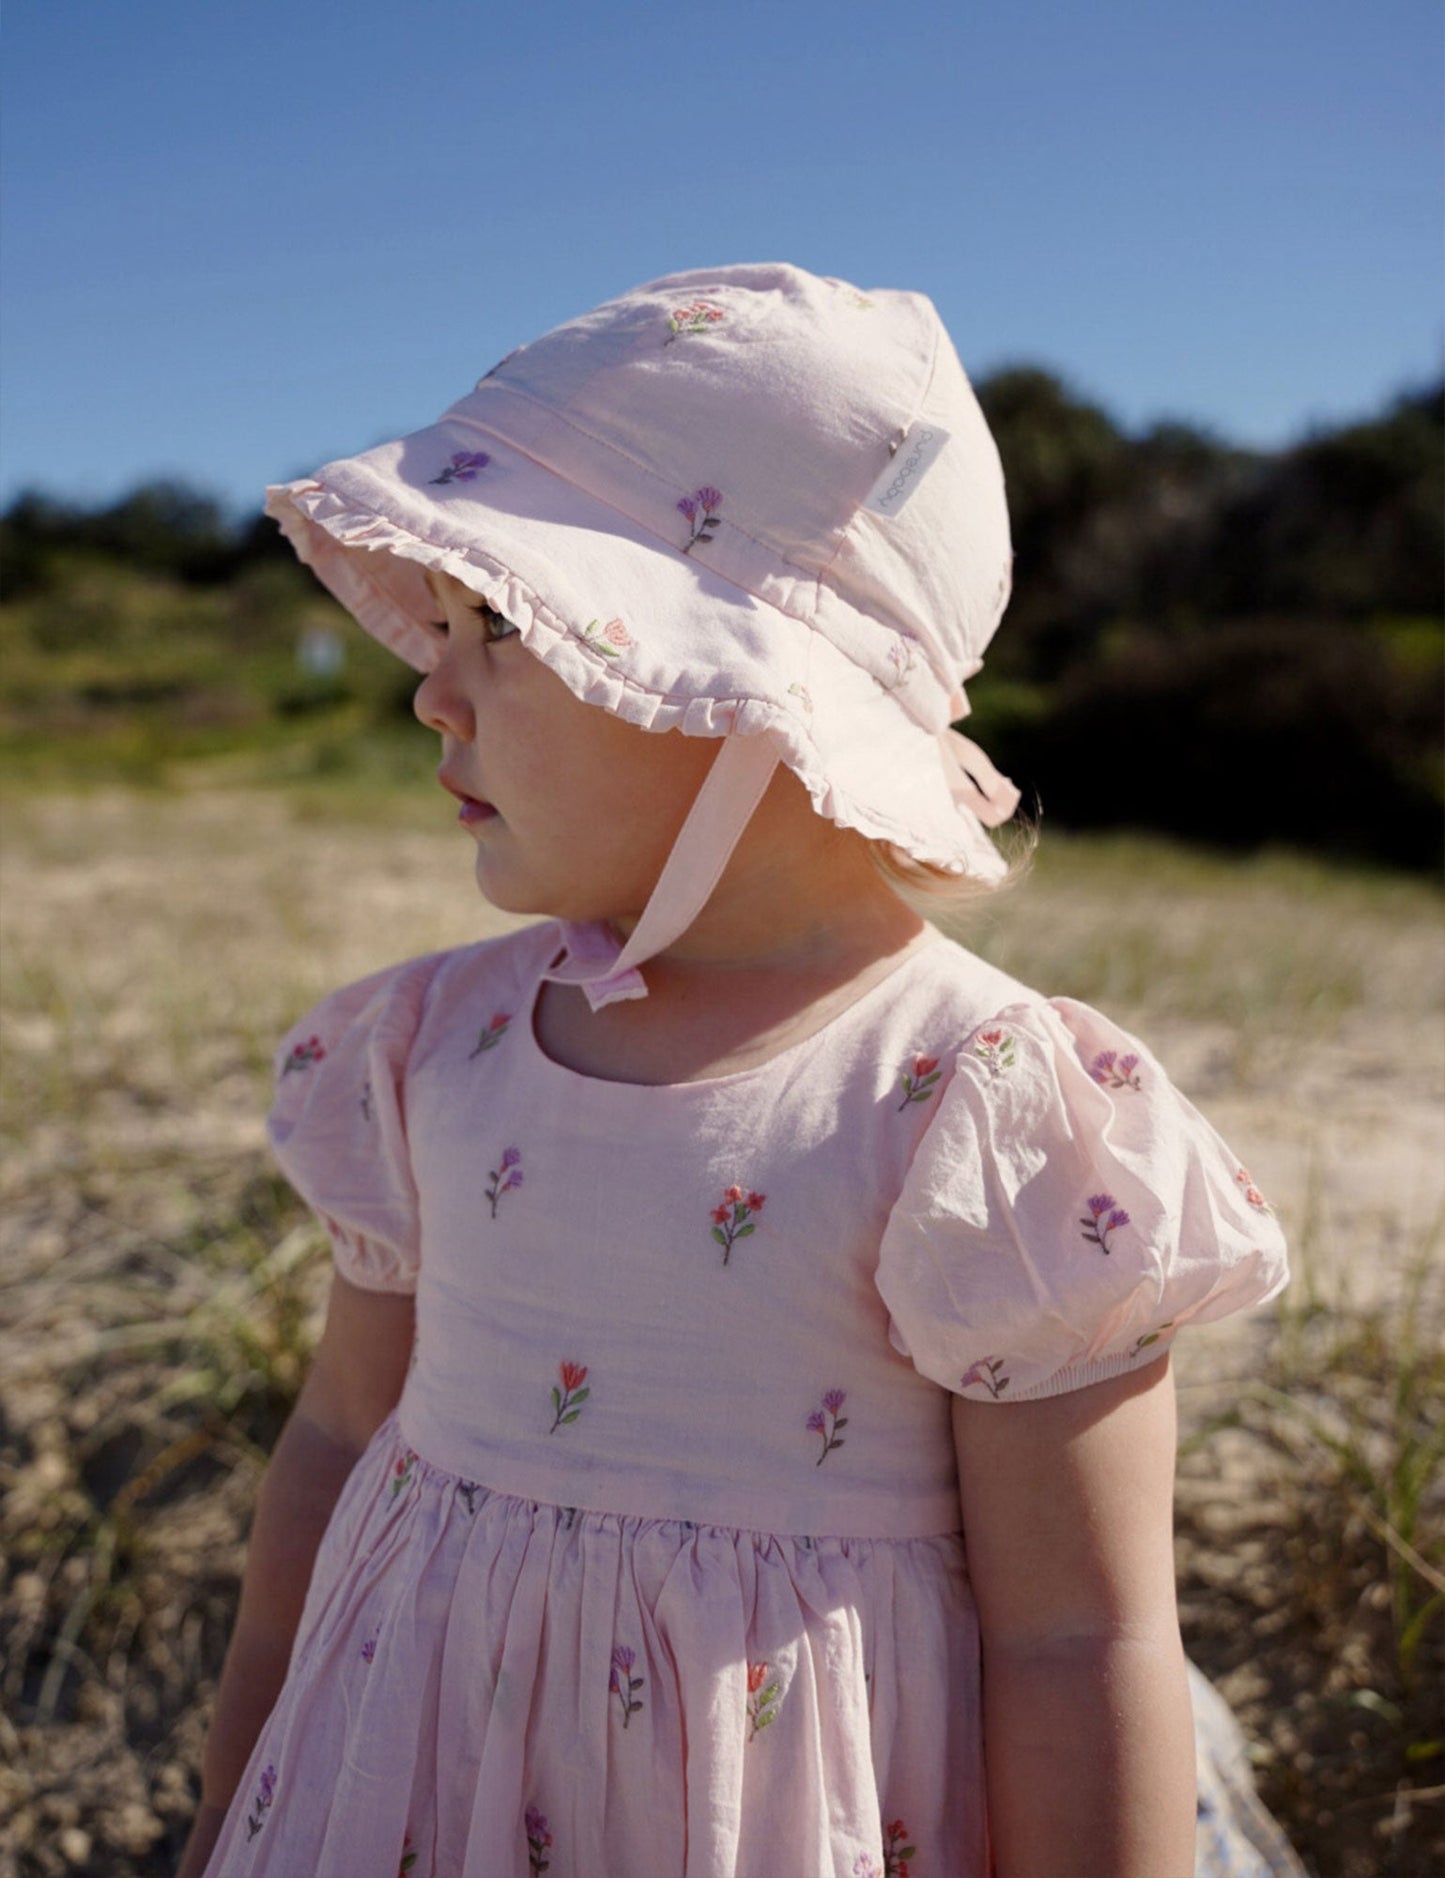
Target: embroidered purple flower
{"type": "Point", "coordinates": [733, 1219]}
{"type": "Point", "coordinates": [491, 1036]}
{"type": "Point", "coordinates": [368, 1650]}
{"type": "Point", "coordinates": [261, 1805]}
{"type": "Point", "coordinates": [568, 1400]}
{"type": "Point", "coordinates": [866, 1866]}
{"type": "Point", "coordinates": [988, 1373]}
{"type": "Point", "coordinates": [919, 1082]}
{"type": "Point", "coordinates": [826, 1421]}
{"type": "Point", "coordinates": [539, 1840]}
{"type": "Point", "coordinates": [995, 1050]}
{"type": "Point", "coordinates": [1115, 1071]}
{"type": "Point", "coordinates": [1252, 1193]}
{"type": "Point", "coordinates": [303, 1055]}
{"type": "Point", "coordinates": [611, 640]}
{"type": "Point", "coordinates": [707, 499]}
{"type": "Point", "coordinates": [402, 1472]}
{"type": "Point", "coordinates": [696, 317]}
{"type": "Point", "coordinates": [463, 467]}
{"type": "Point", "coordinates": [762, 1699]}
{"type": "Point", "coordinates": [506, 1178]}
{"type": "Point", "coordinates": [1104, 1217]}
{"type": "Point", "coordinates": [896, 1853]}
{"type": "Point", "coordinates": [623, 1684]}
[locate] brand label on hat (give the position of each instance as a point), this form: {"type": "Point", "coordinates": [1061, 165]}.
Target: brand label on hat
{"type": "Point", "coordinates": [906, 469]}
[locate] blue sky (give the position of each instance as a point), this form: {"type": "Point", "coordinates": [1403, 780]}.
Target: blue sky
{"type": "Point", "coordinates": [240, 240]}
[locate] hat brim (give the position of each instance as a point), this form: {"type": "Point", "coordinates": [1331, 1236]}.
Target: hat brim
{"type": "Point", "coordinates": [628, 621]}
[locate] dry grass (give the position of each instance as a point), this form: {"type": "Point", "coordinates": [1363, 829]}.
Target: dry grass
{"type": "Point", "coordinates": [162, 1283]}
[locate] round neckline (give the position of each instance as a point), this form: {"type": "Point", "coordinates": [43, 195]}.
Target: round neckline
{"type": "Point", "coordinates": [551, 1067]}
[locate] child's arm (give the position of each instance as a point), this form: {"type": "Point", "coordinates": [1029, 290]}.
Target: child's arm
{"type": "Point", "coordinates": [1088, 1735]}
{"type": "Point", "coordinates": [354, 1382]}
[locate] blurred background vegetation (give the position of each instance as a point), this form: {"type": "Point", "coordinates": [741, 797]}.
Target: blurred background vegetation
{"type": "Point", "coordinates": [1238, 647]}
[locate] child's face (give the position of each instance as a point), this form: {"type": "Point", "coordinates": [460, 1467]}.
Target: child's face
{"type": "Point", "coordinates": [573, 811]}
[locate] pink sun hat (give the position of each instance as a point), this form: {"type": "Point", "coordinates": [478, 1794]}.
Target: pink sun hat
{"type": "Point", "coordinates": [741, 502]}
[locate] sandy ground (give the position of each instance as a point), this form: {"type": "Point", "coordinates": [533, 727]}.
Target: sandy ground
{"type": "Point", "coordinates": [159, 1282]}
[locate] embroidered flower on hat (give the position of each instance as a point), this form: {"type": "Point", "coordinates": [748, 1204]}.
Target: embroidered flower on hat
{"type": "Point", "coordinates": [463, 467]}
{"type": "Point", "coordinates": [707, 499]}
{"type": "Point", "coordinates": [611, 640]}
{"type": "Point", "coordinates": [694, 318]}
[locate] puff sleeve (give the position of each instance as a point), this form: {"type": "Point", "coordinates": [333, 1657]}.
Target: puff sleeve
{"type": "Point", "coordinates": [1066, 1212]}
{"type": "Point", "coordinates": [338, 1123]}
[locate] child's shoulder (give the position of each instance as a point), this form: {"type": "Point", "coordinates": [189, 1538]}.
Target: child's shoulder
{"type": "Point", "coordinates": [497, 973]}
{"type": "Point", "coordinates": [959, 991]}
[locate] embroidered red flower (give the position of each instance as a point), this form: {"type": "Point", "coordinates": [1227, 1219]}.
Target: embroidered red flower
{"type": "Point", "coordinates": [920, 1082]}
{"type": "Point", "coordinates": [303, 1055]}
{"type": "Point", "coordinates": [493, 1034]}
{"type": "Point", "coordinates": [762, 1699]}
{"type": "Point", "coordinates": [567, 1401]}
{"type": "Point", "coordinates": [733, 1219]}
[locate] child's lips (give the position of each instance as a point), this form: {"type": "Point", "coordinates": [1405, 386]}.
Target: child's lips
{"type": "Point", "coordinates": [473, 809]}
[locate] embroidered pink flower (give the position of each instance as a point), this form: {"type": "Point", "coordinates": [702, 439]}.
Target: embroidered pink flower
{"type": "Point", "coordinates": [1115, 1071]}
{"type": "Point", "coordinates": [303, 1055]}
{"type": "Point", "coordinates": [1252, 1193]}
{"type": "Point", "coordinates": [734, 1219]}
{"type": "Point", "coordinates": [539, 1840]}
{"type": "Point", "coordinates": [988, 1373]}
{"type": "Point", "coordinates": [1104, 1217]}
{"type": "Point", "coordinates": [402, 1472]}
{"type": "Point", "coordinates": [623, 1684]}
{"type": "Point", "coordinates": [920, 1081]}
{"type": "Point", "coordinates": [707, 499]}
{"type": "Point", "coordinates": [611, 640]}
{"type": "Point", "coordinates": [506, 1178]}
{"type": "Point", "coordinates": [568, 1400]}
{"type": "Point", "coordinates": [762, 1699]}
{"type": "Point", "coordinates": [463, 467]}
{"type": "Point", "coordinates": [696, 317]}
{"type": "Point", "coordinates": [261, 1805]}
{"type": "Point", "coordinates": [826, 1421]}
{"type": "Point", "coordinates": [493, 1034]}
{"type": "Point", "coordinates": [896, 1853]}
{"type": "Point", "coordinates": [995, 1050]}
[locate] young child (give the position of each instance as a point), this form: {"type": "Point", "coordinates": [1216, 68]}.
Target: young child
{"type": "Point", "coordinates": [742, 1437]}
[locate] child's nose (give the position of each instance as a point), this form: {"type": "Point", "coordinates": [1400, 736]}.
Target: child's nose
{"type": "Point", "coordinates": [440, 703]}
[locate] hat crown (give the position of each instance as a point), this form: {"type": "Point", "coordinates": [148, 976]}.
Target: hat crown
{"type": "Point", "coordinates": [751, 411]}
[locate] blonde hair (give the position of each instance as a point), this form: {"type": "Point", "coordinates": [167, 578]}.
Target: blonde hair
{"type": "Point", "coordinates": [925, 880]}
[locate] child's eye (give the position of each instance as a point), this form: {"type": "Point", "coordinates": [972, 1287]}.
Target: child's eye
{"type": "Point", "coordinates": [498, 627]}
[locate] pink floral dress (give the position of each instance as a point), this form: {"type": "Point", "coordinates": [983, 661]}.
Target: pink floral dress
{"type": "Point", "coordinates": [657, 1564]}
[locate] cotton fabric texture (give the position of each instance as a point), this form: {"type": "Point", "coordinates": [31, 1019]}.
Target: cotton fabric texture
{"type": "Point", "coordinates": [657, 1564]}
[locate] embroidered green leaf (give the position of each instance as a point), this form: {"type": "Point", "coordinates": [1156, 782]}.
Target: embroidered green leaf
{"type": "Point", "coordinates": [570, 1418]}
{"type": "Point", "coordinates": [743, 1231]}
{"type": "Point", "coordinates": [581, 1395]}
{"type": "Point", "coordinates": [556, 1397]}
{"type": "Point", "coordinates": [717, 1233]}
{"type": "Point", "coordinates": [842, 1422]}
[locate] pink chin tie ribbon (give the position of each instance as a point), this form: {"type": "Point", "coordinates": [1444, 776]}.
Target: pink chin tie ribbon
{"type": "Point", "coordinates": [732, 789]}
